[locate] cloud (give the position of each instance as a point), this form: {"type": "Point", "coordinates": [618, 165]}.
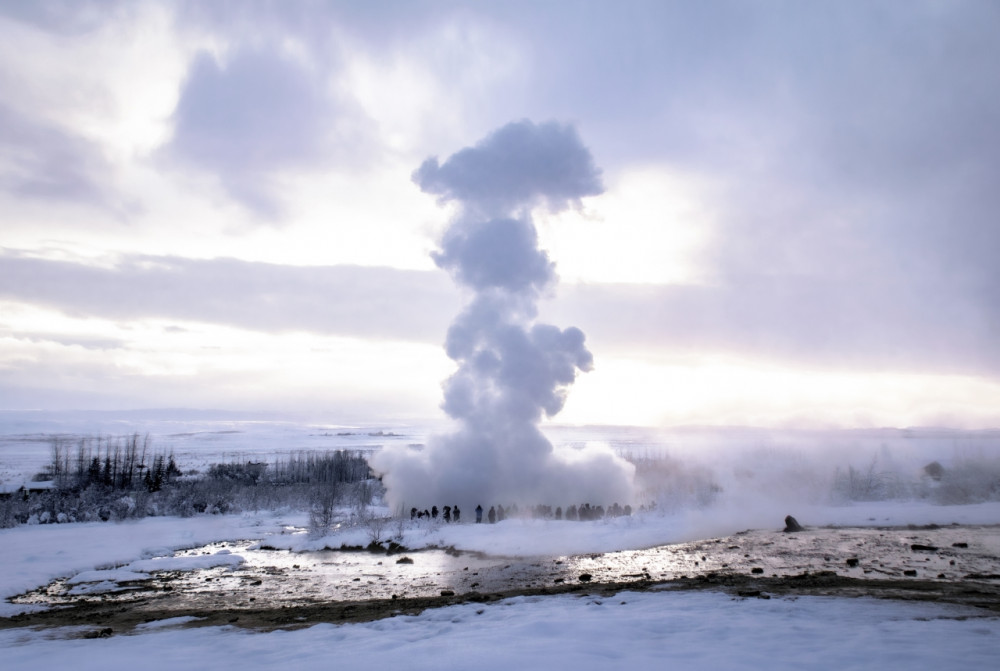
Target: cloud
{"type": "Point", "coordinates": [63, 17]}
{"type": "Point", "coordinates": [249, 117]}
{"type": "Point", "coordinates": [345, 300]}
{"type": "Point", "coordinates": [42, 162]}
{"type": "Point", "coordinates": [919, 326]}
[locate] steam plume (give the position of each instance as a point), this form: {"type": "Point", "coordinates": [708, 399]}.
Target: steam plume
{"type": "Point", "coordinates": [512, 370]}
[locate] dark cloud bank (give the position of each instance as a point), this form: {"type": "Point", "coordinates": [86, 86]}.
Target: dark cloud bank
{"type": "Point", "coordinates": [512, 369]}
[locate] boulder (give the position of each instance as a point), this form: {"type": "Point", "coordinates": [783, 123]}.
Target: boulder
{"type": "Point", "coordinates": [792, 525]}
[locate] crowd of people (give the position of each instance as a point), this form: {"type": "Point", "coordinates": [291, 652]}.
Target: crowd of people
{"type": "Point", "coordinates": [498, 513]}
{"type": "Point", "coordinates": [448, 514]}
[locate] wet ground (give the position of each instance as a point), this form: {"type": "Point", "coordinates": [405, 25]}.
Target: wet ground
{"type": "Point", "coordinates": [281, 589]}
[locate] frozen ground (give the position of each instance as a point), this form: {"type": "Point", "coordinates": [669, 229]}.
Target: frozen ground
{"type": "Point", "coordinates": [32, 556]}
{"type": "Point", "coordinates": [708, 629]}
{"type": "Point", "coordinates": [628, 631]}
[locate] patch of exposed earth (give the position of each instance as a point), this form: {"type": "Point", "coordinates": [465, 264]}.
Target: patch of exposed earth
{"type": "Point", "coordinates": [273, 589]}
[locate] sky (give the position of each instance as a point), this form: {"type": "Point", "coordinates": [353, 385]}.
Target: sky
{"type": "Point", "coordinates": [216, 205]}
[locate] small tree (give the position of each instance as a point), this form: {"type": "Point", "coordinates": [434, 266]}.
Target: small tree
{"type": "Point", "coordinates": [322, 512]}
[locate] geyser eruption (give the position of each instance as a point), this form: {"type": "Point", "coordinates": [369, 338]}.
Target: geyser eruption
{"type": "Point", "coordinates": [512, 370]}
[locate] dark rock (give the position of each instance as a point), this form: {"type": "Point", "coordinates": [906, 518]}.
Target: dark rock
{"type": "Point", "coordinates": [852, 562]}
{"type": "Point", "coordinates": [447, 592]}
{"type": "Point", "coordinates": [106, 632]}
{"type": "Point", "coordinates": [757, 570]}
{"type": "Point", "coordinates": [404, 560]}
{"type": "Point", "coordinates": [910, 572]}
{"type": "Point", "coordinates": [753, 593]}
{"type": "Point", "coordinates": [792, 525]}
{"type": "Point", "coordinates": [917, 547]}
{"type": "Point", "coordinates": [960, 545]}
{"type": "Point", "coordinates": [585, 577]}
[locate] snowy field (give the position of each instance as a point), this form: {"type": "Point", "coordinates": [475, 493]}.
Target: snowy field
{"type": "Point", "coordinates": [628, 631]}
{"type": "Point", "coordinates": [710, 629]}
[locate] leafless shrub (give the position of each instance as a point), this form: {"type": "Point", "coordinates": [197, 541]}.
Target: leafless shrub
{"type": "Point", "coordinates": [322, 513]}
{"type": "Point", "coordinates": [377, 526]}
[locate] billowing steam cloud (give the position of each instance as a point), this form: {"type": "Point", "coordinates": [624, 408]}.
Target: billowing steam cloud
{"type": "Point", "coordinates": [512, 371]}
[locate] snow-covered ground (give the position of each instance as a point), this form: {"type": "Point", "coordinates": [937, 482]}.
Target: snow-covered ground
{"type": "Point", "coordinates": [33, 556]}
{"type": "Point", "coordinates": [628, 631]}
{"type": "Point", "coordinates": [709, 630]}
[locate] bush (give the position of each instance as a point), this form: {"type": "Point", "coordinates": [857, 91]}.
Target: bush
{"type": "Point", "coordinates": [124, 478]}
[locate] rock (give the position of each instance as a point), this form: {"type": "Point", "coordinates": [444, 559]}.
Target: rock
{"type": "Point", "coordinates": [852, 562]}
{"type": "Point", "coordinates": [910, 572]}
{"type": "Point", "coordinates": [917, 547]}
{"type": "Point", "coordinates": [447, 592]}
{"type": "Point", "coordinates": [404, 560]}
{"type": "Point", "coordinates": [756, 570]}
{"type": "Point", "coordinates": [585, 577]}
{"type": "Point", "coordinates": [960, 545]}
{"type": "Point", "coordinates": [107, 632]}
{"type": "Point", "coordinates": [792, 525]}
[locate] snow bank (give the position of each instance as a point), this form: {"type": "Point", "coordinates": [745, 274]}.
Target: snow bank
{"type": "Point", "coordinates": [629, 630]}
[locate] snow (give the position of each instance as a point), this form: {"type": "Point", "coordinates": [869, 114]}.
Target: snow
{"type": "Point", "coordinates": [32, 556]}
{"type": "Point", "coordinates": [139, 570]}
{"type": "Point", "coordinates": [530, 537]}
{"type": "Point", "coordinates": [706, 629]}
{"type": "Point", "coordinates": [629, 630]}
